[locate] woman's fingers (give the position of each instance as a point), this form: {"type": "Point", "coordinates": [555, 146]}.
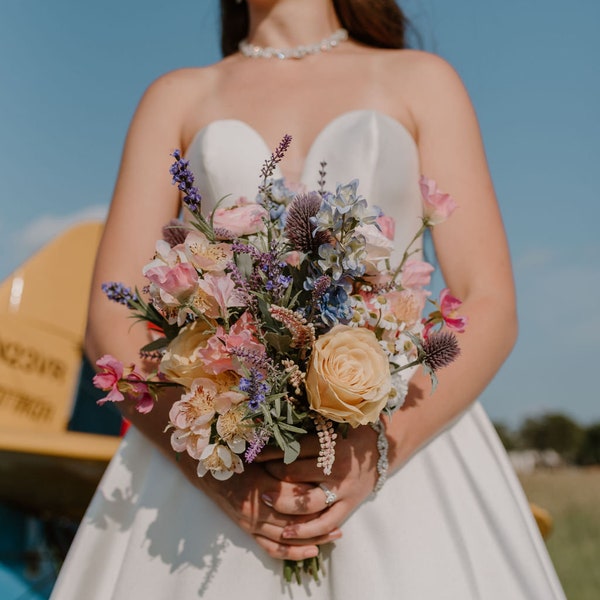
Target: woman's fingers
{"type": "Point", "coordinates": [328, 521]}
{"type": "Point", "coordinates": [284, 550]}
{"type": "Point", "coordinates": [298, 499]}
{"type": "Point", "coordinates": [295, 549]}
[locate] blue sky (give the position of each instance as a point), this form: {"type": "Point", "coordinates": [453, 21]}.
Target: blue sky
{"type": "Point", "coordinates": [72, 73]}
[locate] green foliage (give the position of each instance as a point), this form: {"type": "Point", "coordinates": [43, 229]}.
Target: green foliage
{"type": "Point", "coordinates": [589, 449]}
{"type": "Point", "coordinates": [507, 437]}
{"type": "Point", "coordinates": [571, 497]}
{"type": "Point", "coordinates": [576, 444]}
{"type": "Point", "coordinates": [552, 431]}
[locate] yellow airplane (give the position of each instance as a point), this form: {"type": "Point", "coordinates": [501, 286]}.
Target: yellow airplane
{"type": "Point", "coordinates": [44, 466]}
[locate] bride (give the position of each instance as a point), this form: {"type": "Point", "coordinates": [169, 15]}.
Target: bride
{"type": "Point", "coordinates": [451, 521]}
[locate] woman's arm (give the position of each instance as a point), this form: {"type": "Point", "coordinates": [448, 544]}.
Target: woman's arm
{"type": "Point", "coordinates": [473, 255]}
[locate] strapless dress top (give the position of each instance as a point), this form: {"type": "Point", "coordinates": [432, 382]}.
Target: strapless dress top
{"type": "Point", "coordinates": [226, 157]}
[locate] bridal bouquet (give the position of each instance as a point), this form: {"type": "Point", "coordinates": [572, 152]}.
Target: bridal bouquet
{"type": "Point", "coordinates": [279, 317]}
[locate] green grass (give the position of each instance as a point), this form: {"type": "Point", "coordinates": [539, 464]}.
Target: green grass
{"type": "Point", "coordinates": [572, 496]}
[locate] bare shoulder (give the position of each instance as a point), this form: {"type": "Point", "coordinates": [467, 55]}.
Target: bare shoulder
{"type": "Point", "coordinates": [424, 73]}
{"type": "Point", "coordinates": [181, 86]}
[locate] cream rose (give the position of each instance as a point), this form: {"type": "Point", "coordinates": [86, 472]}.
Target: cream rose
{"type": "Point", "coordinates": [180, 363]}
{"type": "Point", "coordinates": [348, 379]}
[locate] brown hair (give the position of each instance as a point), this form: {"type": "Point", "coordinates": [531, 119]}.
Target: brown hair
{"type": "Point", "coordinates": [378, 23]}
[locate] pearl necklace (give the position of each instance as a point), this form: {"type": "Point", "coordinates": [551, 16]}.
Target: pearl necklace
{"type": "Point", "coordinates": [326, 44]}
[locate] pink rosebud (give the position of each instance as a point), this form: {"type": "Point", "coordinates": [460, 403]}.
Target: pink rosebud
{"type": "Point", "coordinates": [416, 274]}
{"type": "Point", "coordinates": [107, 380]}
{"type": "Point", "coordinates": [437, 205]}
{"type": "Point", "coordinates": [245, 218]}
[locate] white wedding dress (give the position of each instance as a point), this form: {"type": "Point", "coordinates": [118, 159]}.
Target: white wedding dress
{"type": "Point", "coordinates": [452, 524]}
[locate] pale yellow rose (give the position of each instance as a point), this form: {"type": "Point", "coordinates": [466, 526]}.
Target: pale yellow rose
{"type": "Point", "coordinates": [348, 379]}
{"type": "Point", "coordinates": [179, 362]}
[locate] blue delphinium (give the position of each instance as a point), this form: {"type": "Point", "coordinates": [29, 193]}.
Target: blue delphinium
{"type": "Point", "coordinates": [280, 197]}
{"type": "Point", "coordinates": [335, 307]}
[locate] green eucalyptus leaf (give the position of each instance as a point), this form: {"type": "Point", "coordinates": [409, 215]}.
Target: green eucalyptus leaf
{"type": "Point", "coordinates": [157, 344]}
{"type": "Point", "coordinates": [281, 343]}
{"type": "Point", "coordinates": [291, 451]}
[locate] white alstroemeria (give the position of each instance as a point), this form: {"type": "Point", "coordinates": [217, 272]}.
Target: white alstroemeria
{"type": "Point", "coordinates": [220, 461]}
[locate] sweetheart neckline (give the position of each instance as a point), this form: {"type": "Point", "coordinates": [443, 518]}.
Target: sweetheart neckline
{"type": "Point", "coordinates": [321, 133]}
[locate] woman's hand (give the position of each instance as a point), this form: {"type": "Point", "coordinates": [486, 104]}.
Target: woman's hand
{"type": "Point", "coordinates": [353, 477]}
{"type": "Point", "coordinates": [245, 498]}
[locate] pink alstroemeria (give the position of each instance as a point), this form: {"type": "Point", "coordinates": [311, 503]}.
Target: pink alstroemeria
{"type": "Point", "coordinates": [217, 355]}
{"type": "Point", "coordinates": [107, 380]}
{"type": "Point", "coordinates": [416, 274]}
{"type": "Point", "coordinates": [222, 290]}
{"type": "Point", "coordinates": [448, 305]}
{"type": "Point", "coordinates": [122, 384]}
{"type": "Point", "coordinates": [138, 390]}
{"type": "Point", "coordinates": [438, 206]}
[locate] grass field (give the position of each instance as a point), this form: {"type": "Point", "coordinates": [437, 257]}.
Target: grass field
{"type": "Point", "coordinates": [572, 496]}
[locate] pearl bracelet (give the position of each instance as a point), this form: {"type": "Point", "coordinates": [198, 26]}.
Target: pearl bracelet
{"type": "Point", "coordinates": [382, 448]}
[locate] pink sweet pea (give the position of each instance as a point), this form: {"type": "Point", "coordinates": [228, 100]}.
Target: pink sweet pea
{"type": "Point", "coordinates": [387, 225]}
{"type": "Point", "coordinates": [446, 314]}
{"type": "Point", "coordinates": [244, 218]}
{"type": "Point", "coordinates": [448, 307]}
{"type": "Point", "coordinates": [437, 205]}
{"type": "Point", "coordinates": [416, 274]}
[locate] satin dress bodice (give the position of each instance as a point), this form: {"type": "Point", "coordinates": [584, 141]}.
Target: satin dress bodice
{"type": "Point", "coordinates": [226, 157]}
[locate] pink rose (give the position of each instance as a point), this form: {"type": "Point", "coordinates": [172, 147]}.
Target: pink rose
{"type": "Point", "coordinates": [244, 218]}
{"type": "Point", "coordinates": [179, 281]}
{"type": "Point", "coordinates": [437, 205]}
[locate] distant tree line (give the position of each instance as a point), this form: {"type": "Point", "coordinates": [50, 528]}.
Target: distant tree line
{"type": "Point", "coordinates": [576, 444]}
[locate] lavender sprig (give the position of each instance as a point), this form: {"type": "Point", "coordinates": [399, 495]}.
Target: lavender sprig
{"type": "Point", "coordinates": [256, 388]}
{"type": "Point", "coordinates": [117, 292]}
{"type": "Point", "coordinates": [259, 440]}
{"type": "Point", "coordinates": [184, 179]}
{"type": "Point", "coordinates": [277, 156]}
